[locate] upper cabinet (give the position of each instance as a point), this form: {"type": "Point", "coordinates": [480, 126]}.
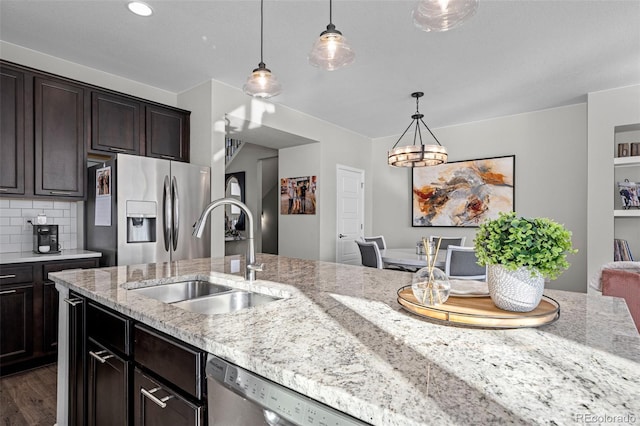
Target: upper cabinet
{"type": "Point", "coordinates": [115, 123]}
{"type": "Point", "coordinates": [167, 133]}
{"type": "Point", "coordinates": [59, 111]}
{"type": "Point", "coordinates": [12, 138]}
{"type": "Point", "coordinates": [50, 124]}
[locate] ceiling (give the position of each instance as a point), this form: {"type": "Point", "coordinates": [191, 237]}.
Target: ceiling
{"type": "Point", "coordinates": [512, 57]}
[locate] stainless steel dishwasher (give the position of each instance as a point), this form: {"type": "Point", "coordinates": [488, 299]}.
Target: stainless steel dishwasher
{"type": "Point", "coordinates": [237, 397]}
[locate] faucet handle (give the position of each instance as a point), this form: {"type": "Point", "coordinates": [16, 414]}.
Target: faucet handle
{"type": "Point", "coordinates": [256, 267]}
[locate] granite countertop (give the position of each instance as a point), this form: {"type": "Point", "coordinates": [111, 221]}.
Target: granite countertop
{"type": "Point", "coordinates": [29, 256]}
{"type": "Point", "coordinates": [341, 338]}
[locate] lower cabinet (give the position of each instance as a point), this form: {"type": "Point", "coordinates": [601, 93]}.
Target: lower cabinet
{"type": "Point", "coordinates": [29, 313]}
{"type": "Point", "coordinates": [157, 404]}
{"type": "Point", "coordinates": [125, 373]}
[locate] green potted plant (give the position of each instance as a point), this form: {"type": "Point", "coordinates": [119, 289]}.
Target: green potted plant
{"type": "Point", "coordinates": [519, 254]}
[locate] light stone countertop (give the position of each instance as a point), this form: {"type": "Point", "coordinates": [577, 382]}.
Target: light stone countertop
{"type": "Point", "coordinates": [341, 338]}
{"type": "Point", "coordinates": [29, 256]}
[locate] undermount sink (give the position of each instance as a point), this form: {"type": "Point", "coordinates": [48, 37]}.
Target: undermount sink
{"type": "Point", "coordinates": [224, 303]}
{"type": "Point", "coordinates": [185, 290]}
{"type": "Point", "coordinates": [204, 297]}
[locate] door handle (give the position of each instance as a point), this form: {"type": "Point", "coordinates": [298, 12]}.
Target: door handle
{"type": "Point", "coordinates": [99, 357]}
{"type": "Point", "coordinates": [166, 208]}
{"type": "Point", "coordinates": [175, 201]}
{"type": "Point", "coordinates": [161, 402]}
{"type": "Point", "coordinates": [342, 236]}
{"type": "Point", "coordinates": [73, 302]}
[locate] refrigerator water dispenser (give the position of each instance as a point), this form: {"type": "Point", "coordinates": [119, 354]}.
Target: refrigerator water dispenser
{"type": "Point", "coordinates": [141, 221]}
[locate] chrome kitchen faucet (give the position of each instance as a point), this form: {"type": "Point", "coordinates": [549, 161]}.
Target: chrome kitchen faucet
{"type": "Point", "coordinates": [198, 229]}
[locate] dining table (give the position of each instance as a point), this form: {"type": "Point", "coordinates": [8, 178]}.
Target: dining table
{"type": "Point", "coordinates": [409, 259]}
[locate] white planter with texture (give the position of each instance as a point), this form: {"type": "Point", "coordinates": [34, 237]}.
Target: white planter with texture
{"type": "Point", "coordinates": [516, 291]}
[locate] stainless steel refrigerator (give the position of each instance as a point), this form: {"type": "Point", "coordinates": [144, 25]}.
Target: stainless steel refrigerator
{"type": "Point", "coordinates": [142, 210]}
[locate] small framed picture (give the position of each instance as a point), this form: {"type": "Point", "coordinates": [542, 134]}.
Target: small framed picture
{"type": "Point", "coordinates": [635, 149]}
{"type": "Point", "coordinates": [623, 150]}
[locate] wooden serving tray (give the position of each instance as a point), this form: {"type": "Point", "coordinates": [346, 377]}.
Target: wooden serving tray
{"type": "Point", "coordinates": [480, 311]}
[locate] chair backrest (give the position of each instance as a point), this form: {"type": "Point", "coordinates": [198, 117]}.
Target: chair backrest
{"type": "Point", "coordinates": [462, 263]}
{"type": "Point", "coordinates": [447, 241]}
{"type": "Point", "coordinates": [370, 254]}
{"type": "Point", "coordinates": [379, 239]}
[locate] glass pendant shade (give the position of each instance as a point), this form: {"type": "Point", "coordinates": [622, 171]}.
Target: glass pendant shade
{"type": "Point", "coordinates": [261, 83]}
{"type": "Point", "coordinates": [331, 51]}
{"type": "Point", "coordinates": [442, 15]}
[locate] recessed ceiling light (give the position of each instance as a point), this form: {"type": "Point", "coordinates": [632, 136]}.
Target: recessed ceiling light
{"type": "Point", "coordinates": [140, 8]}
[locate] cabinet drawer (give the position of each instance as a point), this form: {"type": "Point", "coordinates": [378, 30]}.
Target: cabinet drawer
{"type": "Point", "coordinates": [178, 363]}
{"type": "Point", "coordinates": [13, 274]}
{"type": "Point", "coordinates": [74, 264]}
{"type": "Point", "coordinates": [108, 328]}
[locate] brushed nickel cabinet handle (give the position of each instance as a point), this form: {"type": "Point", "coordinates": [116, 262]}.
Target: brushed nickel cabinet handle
{"type": "Point", "coordinates": [7, 292]}
{"type": "Point", "coordinates": [167, 157]}
{"type": "Point", "coordinates": [73, 302]}
{"type": "Point", "coordinates": [162, 403]}
{"type": "Point", "coordinates": [99, 357]}
{"type": "Point", "coordinates": [4, 189]}
{"type": "Point", "coordinates": [60, 192]}
{"type": "Point", "coordinates": [7, 276]}
{"type": "Point", "coordinates": [117, 149]}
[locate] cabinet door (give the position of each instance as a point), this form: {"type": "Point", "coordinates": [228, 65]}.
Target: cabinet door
{"type": "Point", "coordinates": [167, 133]}
{"type": "Point", "coordinates": [50, 317]}
{"type": "Point", "coordinates": [16, 323]}
{"type": "Point", "coordinates": [157, 405]}
{"type": "Point", "coordinates": [115, 123]}
{"type": "Point", "coordinates": [12, 142]}
{"type": "Point", "coordinates": [59, 138]}
{"type": "Point", "coordinates": [107, 401]}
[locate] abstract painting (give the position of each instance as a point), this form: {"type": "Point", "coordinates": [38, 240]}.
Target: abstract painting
{"type": "Point", "coordinates": [463, 193]}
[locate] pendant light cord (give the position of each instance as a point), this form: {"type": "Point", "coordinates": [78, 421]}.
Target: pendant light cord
{"type": "Point", "coordinates": [330, 12]}
{"type": "Point", "coordinates": [417, 132]}
{"type": "Point", "coordinates": [261, 29]}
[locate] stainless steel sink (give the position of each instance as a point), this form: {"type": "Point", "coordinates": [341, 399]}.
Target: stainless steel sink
{"type": "Point", "coordinates": [224, 303]}
{"type": "Point", "coordinates": [185, 290]}
{"type": "Point", "coordinates": [204, 297]}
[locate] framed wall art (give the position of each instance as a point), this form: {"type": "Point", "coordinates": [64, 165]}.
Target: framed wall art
{"type": "Point", "coordinates": [298, 195]}
{"type": "Point", "coordinates": [463, 193]}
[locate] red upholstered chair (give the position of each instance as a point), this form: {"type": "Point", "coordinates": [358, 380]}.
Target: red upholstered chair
{"type": "Point", "coordinates": [623, 284]}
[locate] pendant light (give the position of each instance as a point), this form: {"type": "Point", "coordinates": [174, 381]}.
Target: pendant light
{"type": "Point", "coordinates": [443, 15]}
{"type": "Point", "coordinates": [261, 83]}
{"type": "Point", "coordinates": [331, 50]}
{"type": "Point", "coordinates": [417, 155]}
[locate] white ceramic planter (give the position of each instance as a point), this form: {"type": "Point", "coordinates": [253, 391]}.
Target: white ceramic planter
{"type": "Point", "coordinates": [515, 291]}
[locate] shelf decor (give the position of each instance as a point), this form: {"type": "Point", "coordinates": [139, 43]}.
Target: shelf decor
{"type": "Point", "coordinates": [463, 193]}
{"type": "Point", "coordinates": [629, 194]}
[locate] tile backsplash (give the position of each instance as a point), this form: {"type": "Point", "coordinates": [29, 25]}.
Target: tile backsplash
{"type": "Point", "coordinates": [17, 235]}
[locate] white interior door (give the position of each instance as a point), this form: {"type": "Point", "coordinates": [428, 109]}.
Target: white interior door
{"type": "Point", "coordinates": [350, 213]}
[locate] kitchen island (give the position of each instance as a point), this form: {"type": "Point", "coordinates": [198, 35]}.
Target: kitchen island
{"type": "Point", "coordinates": [339, 336]}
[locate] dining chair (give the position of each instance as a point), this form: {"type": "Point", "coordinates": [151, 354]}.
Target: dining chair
{"type": "Point", "coordinates": [370, 254]}
{"type": "Point", "coordinates": [379, 239]}
{"type": "Point", "coordinates": [447, 241]}
{"type": "Point", "coordinates": [462, 263]}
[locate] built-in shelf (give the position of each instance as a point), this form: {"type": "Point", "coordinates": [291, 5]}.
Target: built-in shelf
{"type": "Point", "coordinates": [627, 161]}
{"type": "Point", "coordinates": [634, 212]}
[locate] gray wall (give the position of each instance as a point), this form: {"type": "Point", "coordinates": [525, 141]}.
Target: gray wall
{"type": "Point", "coordinates": [551, 159]}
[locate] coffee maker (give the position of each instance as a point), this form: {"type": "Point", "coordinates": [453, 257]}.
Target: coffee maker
{"type": "Point", "coordinates": [45, 239]}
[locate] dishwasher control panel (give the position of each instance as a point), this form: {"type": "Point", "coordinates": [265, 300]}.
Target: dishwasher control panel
{"type": "Point", "coordinates": [292, 406]}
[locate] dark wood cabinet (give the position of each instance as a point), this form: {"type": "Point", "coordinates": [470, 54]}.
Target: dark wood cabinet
{"type": "Point", "coordinates": [77, 359]}
{"type": "Point", "coordinates": [29, 313]}
{"type": "Point", "coordinates": [59, 150]}
{"type": "Point", "coordinates": [167, 133]}
{"type": "Point", "coordinates": [16, 322]}
{"type": "Point", "coordinates": [156, 404]}
{"type": "Point", "coordinates": [108, 393]}
{"type": "Point", "coordinates": [115, 123]}
{"type": "Point", "coordinates": [12, 131]}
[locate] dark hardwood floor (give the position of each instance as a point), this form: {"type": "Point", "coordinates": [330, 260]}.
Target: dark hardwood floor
{"type": "Point", "coordinates": [29, 398]}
